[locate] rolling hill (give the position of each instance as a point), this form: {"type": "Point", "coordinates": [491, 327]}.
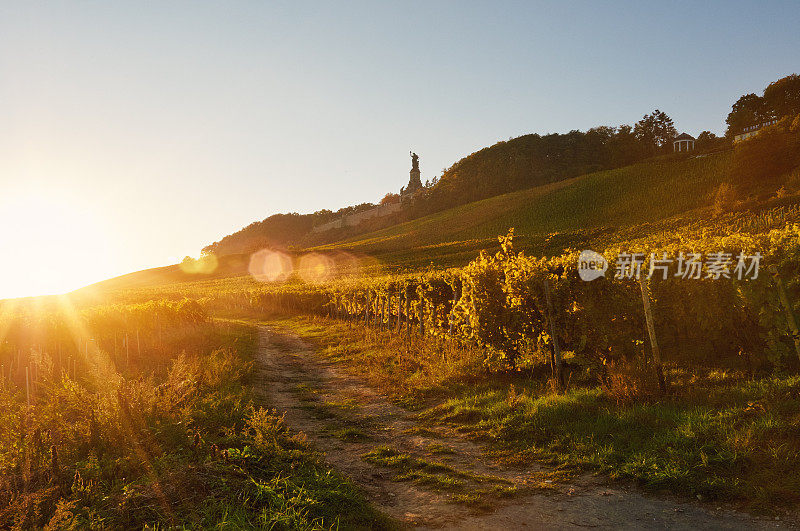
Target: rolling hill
{"type": "Point", "coordinates": [547, 218]}
{"type": "Point", "coordinates": [571, 213]}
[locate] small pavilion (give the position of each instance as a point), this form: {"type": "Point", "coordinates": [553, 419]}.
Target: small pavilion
{"type": "Point", "coordinates": [683, 142]}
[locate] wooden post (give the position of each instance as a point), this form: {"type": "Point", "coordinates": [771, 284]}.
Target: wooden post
{"type": "Point", "coordinates": [651, 332]}
{"type": "Point", "coordinates": [556, 366]}
{"type": "Point", "coordinates": [127, 351]}
{"type": "Point", "coordinates": [399, 310]}
{"type": "Point", "coordinates": [791, 318]}
{"type": "Point", "coordinates": [408, 313]}
{"type": "Point", "coordinates": [421, 311]}
{"type": "Point", "coordinates": [456, 298]}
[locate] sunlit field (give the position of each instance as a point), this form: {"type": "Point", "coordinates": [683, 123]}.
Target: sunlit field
{"type": "Point", "coordinates": [125, 401]}
{"type": "Point", "coordinates": [337, 266]}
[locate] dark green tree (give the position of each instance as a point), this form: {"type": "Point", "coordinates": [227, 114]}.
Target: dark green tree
{"type": "Point", "coordinates": [655, 131]}
{"type": "Point", "coordinates": [748, 110]}
{"type": "Point", "coordinates": [707, 141]}
{"type": "Point", "coordinates": [782, 97]}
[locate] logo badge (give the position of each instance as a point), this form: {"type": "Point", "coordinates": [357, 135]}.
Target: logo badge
{"type": "Point", "coordinates": [591, 265]}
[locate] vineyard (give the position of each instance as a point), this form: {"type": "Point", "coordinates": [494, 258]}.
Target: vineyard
{"type": "Point", "coordinates": [521, 309]}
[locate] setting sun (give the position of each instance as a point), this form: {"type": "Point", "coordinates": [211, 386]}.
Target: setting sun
{"type": "Point", "coordinates": [54, 244]}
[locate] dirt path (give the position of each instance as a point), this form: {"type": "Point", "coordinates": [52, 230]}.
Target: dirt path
{"type": "Point", "coordinates": [428, 476]}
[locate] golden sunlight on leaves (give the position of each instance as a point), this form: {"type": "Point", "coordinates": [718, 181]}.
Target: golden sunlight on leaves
{"type": "Point", "coordinates": [270, 266]}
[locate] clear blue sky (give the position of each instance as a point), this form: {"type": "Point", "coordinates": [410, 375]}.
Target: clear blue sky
{"type": "Point", "coordinates": [160, 127]}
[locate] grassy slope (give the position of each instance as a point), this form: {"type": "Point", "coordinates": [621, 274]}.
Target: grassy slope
{"type": "Point", "coordinates": [645, 192]}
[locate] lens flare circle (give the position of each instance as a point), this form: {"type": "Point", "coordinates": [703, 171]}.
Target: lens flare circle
{"type": "Point", "coordinates": [315, 268]}
{"type": "Point", "coordinates": [267, 265]}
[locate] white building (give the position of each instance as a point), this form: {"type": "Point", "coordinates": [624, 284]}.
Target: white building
{"type": "Point", "coordinates": [752, 130]}
{"type": "Point", "coordinates": [683, 142]}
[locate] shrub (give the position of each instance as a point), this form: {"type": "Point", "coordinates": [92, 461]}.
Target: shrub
{"type": "Point", "coordinates": [724, 198]}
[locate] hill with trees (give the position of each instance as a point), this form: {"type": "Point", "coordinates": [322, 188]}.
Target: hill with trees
{"type": "Point", "coordinates": [780, 98]}
{"type": "Point", "coordinates": [516, 164]}
{"type": "Point", "coordinates": [546, 183]}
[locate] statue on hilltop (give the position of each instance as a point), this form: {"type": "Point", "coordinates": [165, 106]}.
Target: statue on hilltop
{"type": "Point", "coordinates": [414, 161]}
{"type": "Point", "coordinates": [414, 182]}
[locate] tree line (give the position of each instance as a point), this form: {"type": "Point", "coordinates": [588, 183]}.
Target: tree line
{"type": "Point", "coordinates": [779, 99]}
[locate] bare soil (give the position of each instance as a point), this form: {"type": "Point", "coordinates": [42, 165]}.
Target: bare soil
{"type": "Point", "coordinates": [429, 476]}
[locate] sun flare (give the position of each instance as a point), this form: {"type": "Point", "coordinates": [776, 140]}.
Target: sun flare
{"type": "Point", "coordinates": [54, 245]}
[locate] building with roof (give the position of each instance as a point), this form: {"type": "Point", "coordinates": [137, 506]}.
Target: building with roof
{"type": "Point", "coordinates": [683, 142]}
{"type": "Point", "coordinates": [752, 130]}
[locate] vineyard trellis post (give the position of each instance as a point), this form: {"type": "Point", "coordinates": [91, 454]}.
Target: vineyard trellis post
{"type": "Point", "coordinates": [651, 332]}
{"type": "Point", "coordinates": [556, 366]}
{"type": "Point", "coordinates": [456, 298]}
{"type": "Point", "coordinates": [791, 318]}
{"type": "Point", "coordinates": [408, 313]}
{"type": "Point", "coordinates": [421, 311]}
{"type": "Point", "coordinates": [399, 310]}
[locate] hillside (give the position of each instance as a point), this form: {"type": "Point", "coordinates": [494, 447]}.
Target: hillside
{"type": "Point", "coordinates": [515, 164]}
{"type": "Point", "coordinates": [547, 219]}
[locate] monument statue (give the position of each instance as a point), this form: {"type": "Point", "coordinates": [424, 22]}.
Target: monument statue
{"type": "Point", "coordinates": [414, 182]}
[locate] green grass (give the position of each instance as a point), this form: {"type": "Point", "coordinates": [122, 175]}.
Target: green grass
{"type": "Point", "coordinates": [439, 476]}
{"type": "Point", "coordinates": [736, 441]}
{"type": "Point", "coordinates": [580, 212]}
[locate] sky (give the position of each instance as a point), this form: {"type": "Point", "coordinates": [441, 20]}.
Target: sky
{"type": "Point", "coordinates": [135, 133]}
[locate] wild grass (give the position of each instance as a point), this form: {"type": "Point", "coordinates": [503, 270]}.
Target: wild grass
{"type": "Point", "coordinates": [180, 447]}
{"type": "Point", "coordinates": [411, 371]}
